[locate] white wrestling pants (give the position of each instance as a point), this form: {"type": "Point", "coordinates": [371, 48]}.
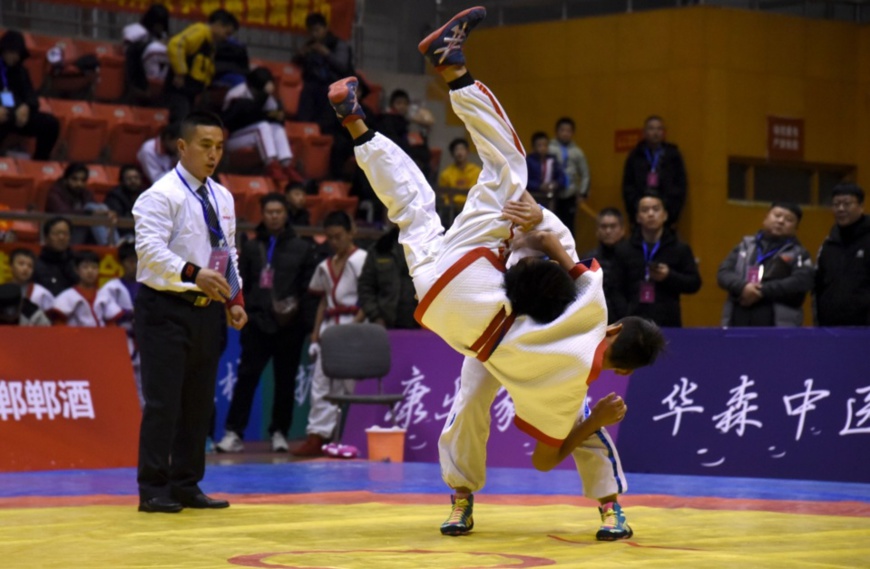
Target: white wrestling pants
{"type": "Point", "coordinates": [410, 201]}
{"type": "Point", "coordinates": [462, 446]}
{"type": "Point", "coordinates": [270, 140]}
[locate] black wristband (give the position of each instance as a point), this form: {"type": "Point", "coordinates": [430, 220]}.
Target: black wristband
{"type": "Point", "coordinates": [189, 272]}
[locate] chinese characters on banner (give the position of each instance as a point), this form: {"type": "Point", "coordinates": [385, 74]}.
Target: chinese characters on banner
{"type": "Point", "coordinates": [759, 403]}
{"type": "Point", "coordinates": [278, 14]}
{"type": "Point", "coordinates": [785, 138]}
{"type": "Point", "coordinates": [49, 399]}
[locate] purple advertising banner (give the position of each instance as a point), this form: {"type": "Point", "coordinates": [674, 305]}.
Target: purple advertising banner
{"type": "Point", "coordinates": [768, 403]}
{"type": "Point", "coordinates": [426, 370]}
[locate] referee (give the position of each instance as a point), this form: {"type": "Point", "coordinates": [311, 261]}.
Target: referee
{"type": "Point", "coordinates": [185, 239]}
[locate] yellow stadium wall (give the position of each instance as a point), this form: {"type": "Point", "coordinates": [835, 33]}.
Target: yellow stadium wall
{"type": "Point", "coordinates": [714, 75]}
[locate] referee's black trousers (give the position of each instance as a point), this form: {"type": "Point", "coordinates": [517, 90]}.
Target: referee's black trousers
{"type": "Point", "coordinates": [179, 346]}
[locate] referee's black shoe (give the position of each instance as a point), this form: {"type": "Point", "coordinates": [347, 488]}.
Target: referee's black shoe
{"type": "Point", "coordinates": [202, 502]}
{"type": "Point", "coordinates": [160, 505]}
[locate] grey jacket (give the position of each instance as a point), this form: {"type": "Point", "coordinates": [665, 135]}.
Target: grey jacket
{"type": "Point", "coordinates": [788, 277]}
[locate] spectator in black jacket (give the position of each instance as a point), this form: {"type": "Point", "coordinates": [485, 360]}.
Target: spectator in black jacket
{"type": "Point", "coordinates": [19, 108]}
{"type": "Point", "coordinates": [655, 267]}
{"type": "Point", "coordinates": [296, 209]}
{"type": "Point", "coordinates": [655, 165]}
{"type": "Point", "coordinates": [842, 285]}
{"type": "Point", "coordinates": [610, 232]}
{"type": "Point", "coordinates": [396, 123]}
{"type": "Point", "coordinates": [276, 268]}
{"type": "Point", "coordinates": [386, 291]}
{"type": "Point", "coordinates": [55, 267]}
{"type": "Point", "coordinates": [122, 197]}
{"type": "Point", "coordinates": [769, 274]}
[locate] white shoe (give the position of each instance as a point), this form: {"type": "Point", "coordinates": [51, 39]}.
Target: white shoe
{"type": "Point", "coordinates": [230, 443]}
{"type": "Point", "coordinates": [279, 442]}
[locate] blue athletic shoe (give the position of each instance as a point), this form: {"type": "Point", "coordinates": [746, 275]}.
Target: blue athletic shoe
{"type": "Point", "coordinates": [342, 97]}
{"type": "Point", "coordinates": [443, 47]}
{"type": "Point", "coordinates": [613, 524]}
{"type": "Point", "coordinates": [461, 520]}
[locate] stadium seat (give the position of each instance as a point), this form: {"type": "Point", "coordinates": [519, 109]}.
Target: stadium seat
{"type": "Point", "coordinates": [17, 191]}
{"type": "Point", "coordinates": [126, 132]}
{"type": "Point", "coordinates": [348, 205]}
{"type": "Point", "coordinates": [290, 88]}
{"type": "Point", "coordinates": [316, 206]}
{"type": "Point", "coordinates": [84, 134]}
{"type": "Point", "coordinates": [8, 166]}
{"type": "Point", "coordinates": [35, 64]}
{"type": "Point", "coordinates": [65, 78]}
{"type": "Point", "coordinates": [44, 174]}
{"type": "Point", "coordinates": [155, 117]}
{"type": "Point", "coordinates": [375, 98]}
{"type": "Point", "coordinates": [311, 150]}
{"type": "Point", "coordinates": [331, 189]}
{"type": "Point", "coordinates": [100, 180]}
{"type": "Point", "coordinates": [110, 81]}
{"type": "Point", "coordinates": [247, 191]}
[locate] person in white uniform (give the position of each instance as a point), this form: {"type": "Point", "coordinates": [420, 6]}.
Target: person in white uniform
{"type": "Point", "coordinates": [336, 281]}
{"type": "Point", "coordinates": [75, 305]}
{"type": "Point", "coordinates": [540, 327]}
{"type": "Point", "coordinates": [22, 263]}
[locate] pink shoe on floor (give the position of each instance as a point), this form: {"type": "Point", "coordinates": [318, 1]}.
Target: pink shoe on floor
{"type": "Point", "coordinates": [336, 450]}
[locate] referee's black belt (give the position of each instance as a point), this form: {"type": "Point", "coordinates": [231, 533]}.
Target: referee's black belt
{"type": "Point", "coordinates": [195, 298]}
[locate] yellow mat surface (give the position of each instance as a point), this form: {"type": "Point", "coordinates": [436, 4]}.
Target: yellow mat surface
{"type": "Point", "coordinates": [366, 536]}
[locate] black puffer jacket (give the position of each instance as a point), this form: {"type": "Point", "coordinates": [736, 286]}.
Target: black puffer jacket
{"type": "Point", "coordinates": [672, 180]}
{"type": "Point", "coordinates": [386, 291]}
{"type": "Point", "coordinates": [55, 270]}
{"type": "Point", "coordinates": [843, 276]}
{"type": "Point", "coordinates": [17, 77]}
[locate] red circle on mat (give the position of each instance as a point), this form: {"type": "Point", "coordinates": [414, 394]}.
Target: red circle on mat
{"type": "Point", "coordinates": [259, 559]}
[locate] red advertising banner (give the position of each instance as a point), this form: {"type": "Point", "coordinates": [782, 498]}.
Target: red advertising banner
{"type": "Point", "coordinates": [67, 399]}
{"type": "Point", "coordinates": [625, 140]}
{"type": "Point", "coordinates": [276, 14]}
{"type": "Point", "coordinates": [785, 138]}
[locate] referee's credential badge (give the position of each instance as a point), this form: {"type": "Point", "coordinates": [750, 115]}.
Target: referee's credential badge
{"type": "Point", "coordinates": [218, 260]}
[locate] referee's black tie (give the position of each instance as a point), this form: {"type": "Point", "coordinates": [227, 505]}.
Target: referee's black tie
{"type": "Point", "coordinates": [213, 232]}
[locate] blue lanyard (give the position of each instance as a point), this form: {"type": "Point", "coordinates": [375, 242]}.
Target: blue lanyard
{"type": "Point", "coordinates": [218, 232]}
{"type": "Point", "coordinates": [272, 242]}
{"type": "Point", "coordinates": [648, 256]}
{"type": "Point", "coordinates": [653, 158]}
{"type": "Point", "coordinates": [759, 258]}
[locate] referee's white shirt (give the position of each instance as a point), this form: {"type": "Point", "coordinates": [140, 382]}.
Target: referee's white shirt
{"type": "Point", "coordinates": [171, 230]}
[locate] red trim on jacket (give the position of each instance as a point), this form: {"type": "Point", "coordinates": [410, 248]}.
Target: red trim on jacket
{"type": "Point", "coordinates": [581, 268]}
{"type": "Point", "coordinates": [493, 341]}
{"type": "Point", "coordinates": [536, 434]}
{"type": "Point", "coordinates": [597, 362]}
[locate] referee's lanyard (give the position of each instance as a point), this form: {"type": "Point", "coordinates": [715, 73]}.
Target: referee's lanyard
{"type": "Point", "coordinates": [8, 99]}
{"type": "Point", "coordinates": [267, 275]}
{"type": "Point", "coordinates": [652, 177]}
{"type": "Point", "coordinates": [220, 254]}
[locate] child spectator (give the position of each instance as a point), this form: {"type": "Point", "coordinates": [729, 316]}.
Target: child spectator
{"type": "Point", "coordinates": [75, 306]}
{"type": "Point", "coordinates": [336, 281]}
{"type": "Point", "coordinates": [255, 118]}
{"type": "Point", "coordinates": [22, 262]}
{"type": "Point", "coordinates": [298, 215]}
{"type": "Point", "coordinates": [158, 155]}
{"type": "Point", "coordinates": [114, 303]}
{"type": "Point", "coordinates": [573, 163]}
{"type": "Point", "coordinates": [16, 310]}
{"type": "Point", "coordinates": [546, 178]}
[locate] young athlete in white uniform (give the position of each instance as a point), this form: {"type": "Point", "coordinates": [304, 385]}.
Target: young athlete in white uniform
{"type": "Point", "coordinates": [335, 280]}
{"type": "Point", "coordinates": [75, 305]}
{"type": "Point", "coordinates": [22, 262]}
{"type": "Point", "coordinates": [539, 328]}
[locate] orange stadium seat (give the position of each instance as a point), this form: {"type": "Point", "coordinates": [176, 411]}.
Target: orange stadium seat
{"type": "Point", "coordinates": [316, 206]}
{"type": "Point", "coordinates": [155, 117]}
{"type": "Point", "coordinates": [100, 180]}
{"type": "Point", "coordinates": [247, 191]}
{"type": "Point", "coordinates": [35, 64]}
{"type": "Point", "coordinates": [126, 132]}
{"type": "Point", "coordinates": [311, 150]}
{"type": "Point", "coordinates": [110, 81]}
{"type": "Point", "coordinates": [375, 99]}
{"type": "Point", "coordinates": [331, 189]}
{"type": "Point", "coordinates": [348, 205]}
{"type": "Point", "coordinates": [44, 175]}
{"type": "Point", "coordinates": [65, 78]}
{"type": "Point", "coordinates": [8, 166]}
{"type": "Point", "coordinates": [84, 134]}
{"type": "Point", "coordinates": [289, 88]}
{"type": "Point", "coordinates": [17, 191]}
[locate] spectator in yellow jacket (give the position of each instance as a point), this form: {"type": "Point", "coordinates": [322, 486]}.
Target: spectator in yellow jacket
{"type": "Point", "coordinates": [191, 61]}
{"type": "Point", "coordinates": [461, 174]}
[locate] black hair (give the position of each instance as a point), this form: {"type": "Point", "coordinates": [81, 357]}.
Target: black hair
{"type": "Point", "coordinates": [650, 194]}
{"type": "Point", "coordinates": [566, 120]}
{"type": "Point", "coordinates": [126, 251]}
{"type": "Point", "coordinates": [199, 118]}
{"type": "Point", "coordinates": [790, 206]}
{"type": "Point", "coordinates": [13, 40]}
{"type": "Point", "coordinates": [399, 94]}
{"type": "Point", "coordinates": [86, 256]}
{"type": "Point", "coordinates": [273, 197]}
{"type": "Point", "coordinates": [653, 118]}
{"type": "Point", "coordinates": [221, 16]}
{"type": "Point", "coordinates": [157, 14]}
{"type": "Point", "coordinates": [539, 135]}
{"type": "Point", "coordinates": [171, 131]}
{"type": "Point", "coordinates": [124, 169]}
{"type": "Point", "coordinates": [638, 344]}
{"type": "Point", "coordinates": [46, 229]}
{"type": "Point", "coordinates": [258, 77]}
{"type": "Point", "coordinates": [295, 186]}
{"type": "Point", "coordinates": [610, 211]}
{"type": "Point", "coordinates": [315, 19]}
{"type": "Point", "coordinates": [457, 142]}
{"type": "Point", "coordinates": [540, 289]}
{"type": "Point", "coordinates": [338, 219]}
{"type": "Point", "coordinates": [74, 168]}
{"type": "Point", "coordinates": [21, 252]}
{"type": "Point", "coordinates": [848, 190]}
